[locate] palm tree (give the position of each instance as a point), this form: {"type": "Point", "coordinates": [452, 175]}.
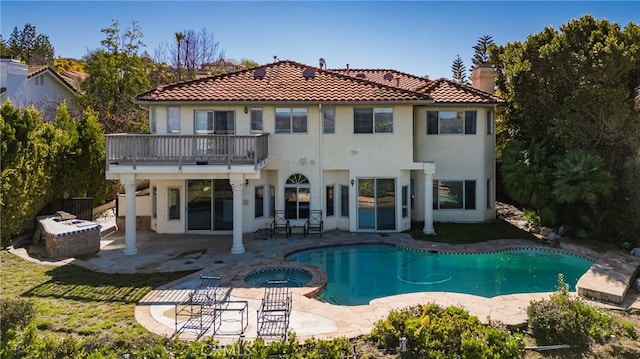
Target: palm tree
{"type": "Point", "coordinates": [581, 180]}
{"type": "Point", "coordinates": [179, 38]}
{"type": "Point", "coordinates": [580, 176]}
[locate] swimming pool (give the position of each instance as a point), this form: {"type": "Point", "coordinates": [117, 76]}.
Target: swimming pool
{"type": "Point", "coordinates": [362, 272]}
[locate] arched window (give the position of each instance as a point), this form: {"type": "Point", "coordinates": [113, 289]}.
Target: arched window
{"type": "Point", "coordinates": [297, 197]}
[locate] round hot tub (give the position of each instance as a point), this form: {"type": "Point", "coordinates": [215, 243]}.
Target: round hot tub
{"type": "Point", "coordinates": [278, 276]}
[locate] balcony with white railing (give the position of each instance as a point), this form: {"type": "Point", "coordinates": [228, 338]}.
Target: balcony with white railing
{"type": "Point", "coordinates": [186, 150]}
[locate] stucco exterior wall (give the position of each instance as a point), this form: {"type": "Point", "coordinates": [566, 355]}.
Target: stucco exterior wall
{"type": "Point", "coordinates": [343, 156]}
{"type": "Point", "coordinates": [457, 157]}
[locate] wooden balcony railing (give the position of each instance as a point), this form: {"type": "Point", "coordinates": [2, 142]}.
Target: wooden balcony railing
{"type": "Point", "coordinates": [149, 149]}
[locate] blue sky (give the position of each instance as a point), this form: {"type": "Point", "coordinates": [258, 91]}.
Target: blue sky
{"type": "Point", "coordinates": [418, 37]}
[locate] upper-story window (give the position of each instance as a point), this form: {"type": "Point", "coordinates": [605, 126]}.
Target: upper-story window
{"type": "Point", "coordinates": [256, 120]}
{"type": "Point", "coordinates": [490, 122]}
{"type": "Point", "coordinates": [329, 120]}
{"type": "Point", "coordinates": [451, 122]}
{"type": "Point", "coordinates": [152, 120]}
{"type": "Point", "coordinates": [372, 120]}
{"type": "Point", "coordinates": [173, 120]}
{"type": "Point", "coordinates": [291, 120]}
{"type": "Point", "coordinates": [215, 122]}
{"type": "Point", "coordinates": [39, 80]}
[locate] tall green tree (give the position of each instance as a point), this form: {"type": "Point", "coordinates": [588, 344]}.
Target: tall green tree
{"type": "Point", "coordinates": [42, 161]}
{"type": "Point", "coordinates": [481, 50]}
{"type": "Point", "coordinates": [573, 88]}
{"type": "Point", "coordinates": [459, 71]}
{"type": "Point", "coordinates": [28, 46]}
{"type": "Point", "coordinates": [117, 72]}
{"type": "Point", "coordinates": [27, 174]}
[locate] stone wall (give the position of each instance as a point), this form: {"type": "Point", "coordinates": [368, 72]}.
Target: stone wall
{"type": "Point", "coordinates": [87, 242]}
{"type": "Point", "coordinates": [142, 223]}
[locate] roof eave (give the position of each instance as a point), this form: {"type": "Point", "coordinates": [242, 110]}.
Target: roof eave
{"type": "Point", "coordinates": [284, 102]}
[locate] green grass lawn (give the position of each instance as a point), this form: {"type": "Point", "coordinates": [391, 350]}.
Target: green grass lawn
{"type": "Point", "coordinates": [470, 232]}
{"type": "Point", "coordinates": [71, 299]}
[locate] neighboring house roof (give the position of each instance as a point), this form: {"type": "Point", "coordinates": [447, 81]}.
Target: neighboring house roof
{"type": "Point", "coordinates": [70, 79]}
{"type": "Point", "coordinates": [74, 77]}
{"type": "Point", "coordinates": [283, 81]}
{"type": "Point", "coordinates": [222, 64]}
{"type": "Point", "coordinates": [441, 90]}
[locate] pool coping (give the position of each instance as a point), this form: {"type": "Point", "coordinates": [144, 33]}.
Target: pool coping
{"type": "Point", "coordinates": [353, 321]}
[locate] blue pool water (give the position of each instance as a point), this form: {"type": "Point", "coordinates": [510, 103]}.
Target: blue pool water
{"type": "Point", "coordinates": [359, 273]}
{"type": "Point", "coordinates": [294, 277]}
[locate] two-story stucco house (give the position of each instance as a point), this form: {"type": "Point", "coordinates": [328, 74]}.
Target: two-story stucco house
{"type": "Point", "coordinates": [373, 149]}
{"type": "Point", "coordinates": [38, 86]}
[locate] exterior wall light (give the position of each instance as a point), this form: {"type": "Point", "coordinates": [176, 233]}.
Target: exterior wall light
{"type": "Point", "coordinates": [353, 182]}
{"type": "Point", "coordinates": [246, 110]}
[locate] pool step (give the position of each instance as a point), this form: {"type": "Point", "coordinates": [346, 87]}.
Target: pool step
{"type": "Point", "coordinates": [610, 277]}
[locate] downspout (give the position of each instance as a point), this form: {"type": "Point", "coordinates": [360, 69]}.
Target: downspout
{"type": "Point", "coordinates": [321, 157]}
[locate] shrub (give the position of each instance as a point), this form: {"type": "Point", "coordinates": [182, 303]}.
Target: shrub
{"type": "Point", "coordinates": [435, 332]}
{"type": "Point", "coordinates": [15, 313]}
{"type": "Point", "coordinates": [563, 319]}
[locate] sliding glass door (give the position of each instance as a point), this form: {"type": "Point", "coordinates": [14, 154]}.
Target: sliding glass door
{"type": "Point", "coordinates": [377, 204]}
{"type": "Point", "coordinates": [209, 205]}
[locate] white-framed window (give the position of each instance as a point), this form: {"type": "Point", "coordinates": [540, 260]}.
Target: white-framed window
{"type": "Point", "coordinates": [174, 203]}
{"type": "Point", "coordinates": [454, 194]}
{"type": "Point", "coordinates": [490, 122]}
{"type": "Point", "coordinates": [344, 201]}
{"type": "Point", "coordinates": [405, 201]}
{"type": "Point", "coordinates": [173, 120]}
{"type": "Point", "coordinates": [39, 80]}
{"type": "Point", "coordinates": [215, 122]}
{"type": "Point", "coordinates": [297, 197]}
{"type": "Point", "coordinates": [451, 122]}
{"type": "Point", "coordinates": [330, 200]}
{"type": "Point", "coordinates": [154, 202]}
{"type": "Point", "coordinates": [412, 194]}
{"type": "Point", "coordinates": [329, 120]}
{"type": "Point", "coordinates": [256, 120]}
{"type": "Point", "coordinates": [259, 202]}
{"type": "Point", "coordinates": [272, 201]}
{"type": "Point", "coordinates": [152, 119]}
{"type": "Point", "coordinates": [372, 120]}
{"type": "Point", "coordinates": [291, 120]}
{"type": "Point", "coordinates": [489, 193]}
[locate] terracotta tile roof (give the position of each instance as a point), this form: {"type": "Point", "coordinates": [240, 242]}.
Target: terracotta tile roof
{"type": "Point", "coordinates": [441, 90]}
{"type": "Point", "coordinates": [283, 81]}
{"type": "Point", "coordinates": [74, 77]}
{"type": "Point", "coordinates": [448, 91]}
{"type": "Point", "coordinates": [71, 79]}
{"type": "Point", "coordinates": [387, 76]}
{"type": "Point", "coordinates": [33, 70]}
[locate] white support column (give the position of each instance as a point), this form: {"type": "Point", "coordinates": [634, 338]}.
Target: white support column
{"type": "Point", "coordinates": [237, 184]}
{"type": "Point", "coordinates": [429, 171]}
{"type": "Point", "coordinates": [129, 184]}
